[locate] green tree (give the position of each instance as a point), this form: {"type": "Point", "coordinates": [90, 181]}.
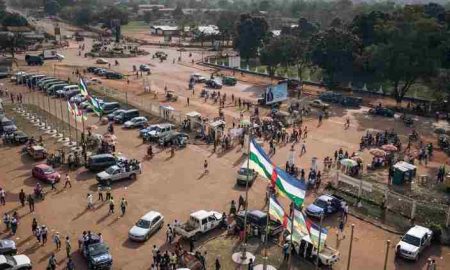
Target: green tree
{"type": "Point", "coordinates": [51, 7]}
{"type": "Point", "coordinates": [10, 42]}
{"type": "Point", "coordinates": [14, 19]}
{"type": "Point", "coordinates": [178, 12]}
{"type": "Point", "coordinates": [250, 33]}
{"type": "Point", "coordinates": [271, 55]}
{"type": "Point", "coordinates": [334, 51]}
{"type": "Point", "coordinates": [226, 25]}
{"type": "Point", "coordinates": [83, 16]}
{"type": "Point", "coordinates": [265, 5]}
{"type": "Point", "coordinates": [410, 50]}
{"type": "Point", "coordinates": [114, 13]}
{"type": "Point", "coordinates": [364, 26]}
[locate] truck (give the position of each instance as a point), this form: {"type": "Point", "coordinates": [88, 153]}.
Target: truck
{"type": "Point", "coordinates": [34, 60]}
{"type": "Point", "coordinates": [305, 249]}
{"type": "Point", "coordinates": [257, 219]}
{"type": "Point", "coordinates": [96, 252]}
{"type": "Point", "coordinates": [51, 54]}
{"type": "Point", "coordinates": [199, 223]}
{"type": "Point", "coordinates": [117, 173]}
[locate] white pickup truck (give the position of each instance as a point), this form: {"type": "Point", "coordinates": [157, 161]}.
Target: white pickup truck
{"type": "Point", "coordinates": [199, 222]}
{"type": "Point", "coordinates": [327, 256]}
{"type": "Point", "coordinates": [116, 173]}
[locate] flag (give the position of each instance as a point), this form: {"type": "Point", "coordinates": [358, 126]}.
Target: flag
{"type": "Point", "coordinates": [314, 231]}
{"type": "Point", "coordinates": [83, 88]}
{"type": "Point", "coordinates": [259, 161]}
{"type": "Point", "coordinates": [276, 211]}
{"type": "Point", "coordinates": [297, 235]}
{"type": "Point", "coordinates": [70, 107]}
{"type": "Point", "coordinates": [79, 115]}
{"type": "Point", "coordinates": [288, 186]}
{"type": "Point", "coordinates": [95, 105]}
{"type": "Point", "coordinates": [300, 222]}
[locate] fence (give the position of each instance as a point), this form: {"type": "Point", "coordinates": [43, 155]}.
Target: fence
{"type": "Point", "coordinates": [419, 211]}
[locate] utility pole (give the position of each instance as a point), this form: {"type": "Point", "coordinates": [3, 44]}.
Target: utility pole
{"type": "Point", "coordinates": [388, 244]}
{"type": "Point", "coordinates": [350, 248]}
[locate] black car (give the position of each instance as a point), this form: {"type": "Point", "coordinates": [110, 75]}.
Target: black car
{"type": "Point", "coordinates": [381, 111]}
{"type": "Point", "coordinates": [174, 138]}
{"type": "Point", "coordinates": [100, 162]}
{"type": "Point", "coordinates": [17, 137]}
{"type": "Point", "coordinates": [213, 84]}
{"type": "Point", "coordinates": [113, 75]}
{"type": "Point", "coordinates": [125, 116]}
{"type": "Point", "coordinates": [258, 219]}
{"type": "Point", "coordinates": [96, 252]}
{"type": "Point", "coordinates": [91, 69]}
{"type": "Point", "coordinates": [110, 107]}
{"type": "Point", "coordinates": [7, 126]}
{"type": "Point", "coordinates": [7, 247]}
{"type": "Point", "coordinates": [144, 67]}
{"type": "Point", "coordinates": [115, 113]}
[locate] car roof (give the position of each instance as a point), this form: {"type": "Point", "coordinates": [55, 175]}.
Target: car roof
{"type": "Point", "coordinates": [42, 166]}
{"type": "Point", "coordinates": [101, 155]}
{"type": "Point", "coordinates": [418, 231]}
{"type": "Point", "coordinates": [201, 214]}
{"type": "Point", "coordinates": [325, 197]}
{"type": "Point", "coordinates": [150, 215]}
{"type": "Point", "coordinates": [2, 259]}
{"type": "Point", "coordinates": [258, 213]}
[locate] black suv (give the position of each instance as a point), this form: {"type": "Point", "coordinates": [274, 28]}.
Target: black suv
{"type": "Point", "coordinates": [100, 162]}
{"type": "Point", "coordinates": [96, 252]}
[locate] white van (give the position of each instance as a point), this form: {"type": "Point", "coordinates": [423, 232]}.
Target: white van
{"type": "Point", "coordinates": [60, 93]}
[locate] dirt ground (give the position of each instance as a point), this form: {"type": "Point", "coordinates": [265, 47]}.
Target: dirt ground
{"type": "Point", "coordinates": [176, 186]}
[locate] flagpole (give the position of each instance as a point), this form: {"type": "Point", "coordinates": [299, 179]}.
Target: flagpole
{"type": "Point", "coordinates": [291, 244]}
{"type": "Point", "coordinates": [266, 238]}
{"type": "Point", "coordinates": [68, 119]}
{"type": "Point", "coordinates": [318, 245]}
{"type": "Point", "coordinates": [62, 117]}
{"type": "Point", "coordinates": [76, 128]}
{"type": "Point", "coordinates": [244, 250]}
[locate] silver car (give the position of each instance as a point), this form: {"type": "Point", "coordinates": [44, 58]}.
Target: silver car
{"type": "Point", "coordinates": [146, 226]}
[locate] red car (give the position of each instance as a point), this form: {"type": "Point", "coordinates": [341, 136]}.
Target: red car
{"type": "Point", "coordinates": [45, 172]}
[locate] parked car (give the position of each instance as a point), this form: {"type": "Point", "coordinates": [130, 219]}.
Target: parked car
{"type": "Point", "coordinates": [90, 69]}
{"type": "Point", "coordinates": [136, 122]}
{"type": "Point", "coordinates": [146, 226]}
{"type": "Point", "coordinates": [125, 116]}
{"type": "Point", "coordinates": [102, 61]}
{"type": "Point", "coordinates": [115, 113]}
{"type": "Point", "coordinates": [7, 126]}
{"type": "Point", "coordinates": [381, 111]}
{"type": "Point", "coordinates": [34, 60]}
{"type": "Point", "coordinates": [227, 80]}
{"type": "Point", "coordinates": [100, 162]}
{"type": "Point", "coordinates": [45, 173]}
{"type": "Point", "coordinates": [324, 204]}
{"type": "Point", "coordinates": [77, 99]}
{"type": "Point", "coordinates": [174, 138]}
{"type": "Point", "coordinates": [113, 75]}
{"type": "Point", "coordinates": [244, 175]}
{"type": "Point", "coordinates": [110, 107]}
{"type": "Point", "coordinates": [117, 173]}
{"type": "Point", "coordinates": [215, 84]}
{"type": "Point", "coordinates": [415, 240]}
{"type": "Point", "coordinates": [197, 78]}
{"type": "Point", "coordinates": [317, 103]}
{"type": "Point", "coordinates": [258, 219]}
{"type": "Point", "coordinates": [330, 96]}
{"type": "Point", "coordinates": [16, 137]}
{"type": "Point", "coordinates": [144, 131]}
{"type": "Point", "coordinates": [16, 262]}
{"type": "Point", "coordinates": [7, 247]}
{"type": "Point", "coordinates": [71, 93]}
{"type": "Point", "coordinates": [144, 68]}
{"type": "Point", "coordinates": [158, 132]}
{"type": "Point", "coordinates": [199, 223]}
{"type": "Point", "coordinates": [100, 71]}
{"type": "Point", "coordinates": [52, 90]}
{"type": "Point", "coordinates": [96, 252]}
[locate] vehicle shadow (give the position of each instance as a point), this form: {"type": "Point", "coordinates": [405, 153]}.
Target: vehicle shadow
{"type": "Point", "coordinates": [85, 175]}
{"type": "Point", "coordinates": [132, 244]}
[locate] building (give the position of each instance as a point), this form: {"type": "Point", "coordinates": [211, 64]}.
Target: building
{"type": "Point", "coordinates": [207, 30]}
{"type": "Point", "coordinates": [147, 8]}
{"type": "Point", "coordinates": [164, 30]}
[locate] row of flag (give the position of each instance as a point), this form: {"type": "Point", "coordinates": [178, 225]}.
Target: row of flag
{"type": "Point", "coordinates": [291, 188]}
{"type": "Point", "coordinates": [303, 228]}
{"type": "Point", "coordinates": [76, 112]}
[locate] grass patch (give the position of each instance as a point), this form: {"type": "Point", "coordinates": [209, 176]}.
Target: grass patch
{"type": "Point", "coordinates": [135, 27]}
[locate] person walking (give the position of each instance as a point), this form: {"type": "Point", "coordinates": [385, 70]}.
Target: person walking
{"type": "Point", "coordinates": [250, 264]}
{"type": "Point", "coordinates": [218, 266]}
{"type": "Point", "coordinates": [100, 193]}
{"type": "Point", "coordinates": [111, 206]}
{"type": "Point", "coordinates": [108, 194]}
{"type": "Point", "coordinates": [7, 221]}
{"type": "Point", "coordinates": [67, 183]}
{"type": "Point", "coordinates": [303, 150]}
{"type": "Point", "coordinates": [341, 228]}
{"type": "Point", "coordinates": [52, 262]}
{"type": "Point", "coordinates": [22, 197]}
{"type": "Point", "coordinates": [44, 233]}
{"type": "Point", "coordinates": [34, 226]}
{"type": "Point", "coordinates": [205, 167]}
{"type": "Point", "coordinates": [154, 254]}
{"type": "Point", "coordinates": [123, 206]}
{"type": "Point", "coordinates": [187, 101]}
{"type": "Point", "coordinates": [241, 202]}
{"type": "Point", "coordinates": [52, 183]}
{"type": "Point", "coordinates": [57, 240]}
{"type": "Point", "coordinates": [90, 202]}
{"type": "Point", "coordinates": [30, 202]}
{"type": "Point", "coordinates": [68, 247]}
{"type": "Point", "coordinates": [2, 196]}
{"type": "Point", "coordinates": [70, 264]}
{"type": "Point", "coordinates": [14, 224]}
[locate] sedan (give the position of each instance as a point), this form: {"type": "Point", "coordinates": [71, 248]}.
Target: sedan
{"type": "Point", "coordinates": [115, 113]}
{"type": "Point", "coordinates": [317, 103]}
{"type": "Point", "coordinates": [102, 61]}
{"type": "Point", "coordinates": [45, 173]}
{"type": "Point", "coordinates": [144, 67]}
{"type": "Point", "coordinates": [136, 122]}
{"type": "Point", "coordinates": [17, 262]}
{"type": "Point", "coordinates": [7, 247]}
{"type": "Point", "coordinates": [324, 205]}
{"type": "Point", "coordinates": [244, 175]}
{"type": "Point", "coordinates": [146, 226]}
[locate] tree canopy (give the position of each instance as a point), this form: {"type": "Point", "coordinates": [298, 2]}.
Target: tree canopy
{"type": "Point", "coordinates": [250, 33]}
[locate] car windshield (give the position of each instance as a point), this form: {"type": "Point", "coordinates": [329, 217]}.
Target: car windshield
{"type": "Point", "coordinates": [7, 123]}
{"type": "Point", "coordinates": [145, 224]}
{"type": "Point", "coordinates": [320, 203]}
{"type": "Point", "coordinates": [110, 170]}
{"type": "Point", "coordinates": [97, 249]}
{"type": "Point", "coordinates": [411, 240]}
{"type": "Point", "coordinates": [245, 171]}
{"type": "Point", "coordinates": [48, 170]}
